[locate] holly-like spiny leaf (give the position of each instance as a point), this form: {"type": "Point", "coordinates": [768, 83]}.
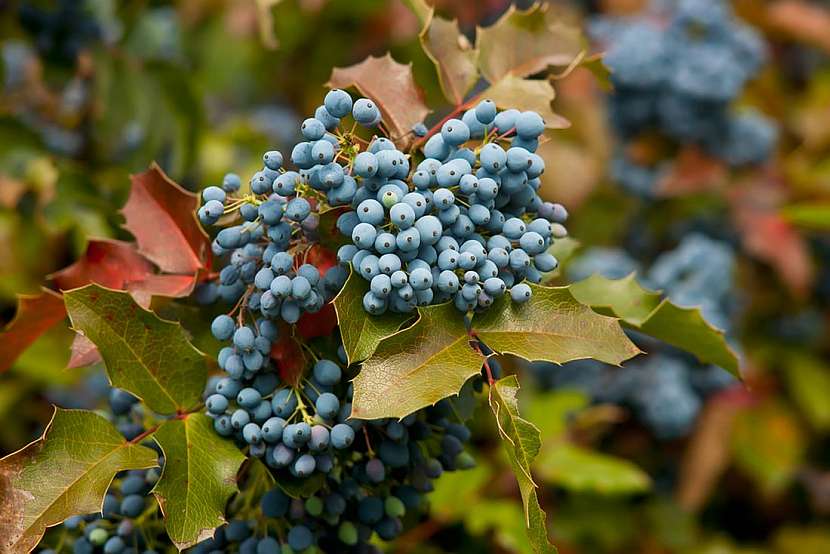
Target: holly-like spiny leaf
{"type": "Point", "coordinates": [148, 356]}
{"type": "Point", "coordinates": [521, 442]}
{"type": "Point", "coordinates": [161, 215]}
{"type": "Point", "coordinates": [455, 59]}
{"type": "Point", "coordinates": [66, 472]}
{"type": "Point", "coordinates": [526, 94]}
{"type": "Point", "coordinates": [360, 332]}
{"type": "Point", "coordinates": [199, 477]}
{"type": "Point", "coordinates": [35, 315]}
{"type": "Point", "coordinates": [647, 312]}
{"type": "Point", "coordinates": [552, 326]}
{"type": "Point", "coordinates": [392, 88]}
{"type": "Point", "coordinates": [416, 367]}
{"type": "Point", "coordinates": [118, 265]}
{"type": "Point", "coordinates": [525, 42]}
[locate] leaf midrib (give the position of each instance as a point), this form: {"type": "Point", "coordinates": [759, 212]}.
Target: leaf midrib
{"type": "Point", "coordinates": [75, 481]}
{"type": "Point", "coordinates": [131, 350]}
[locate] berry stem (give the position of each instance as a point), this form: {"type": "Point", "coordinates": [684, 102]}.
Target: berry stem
{"type": "Point", "coordinates": [437, 127]}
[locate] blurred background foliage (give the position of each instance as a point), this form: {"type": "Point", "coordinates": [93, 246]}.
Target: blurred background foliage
{"type": "Point", "coordinates": [93, 91]}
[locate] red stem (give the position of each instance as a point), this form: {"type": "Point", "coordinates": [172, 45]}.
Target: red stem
{"type": "Point", "coordinates": [154, 428]}
{"type": "Point", "coordinates": [437, 127]}
{"type": "Point", "coordinates": [475, 345]}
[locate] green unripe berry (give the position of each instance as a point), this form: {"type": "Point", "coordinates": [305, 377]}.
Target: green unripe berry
{"type": "Point", "coordinates": [347, 533]}
{"type": "Point", "coordinates": [98, 536]}
{"type": "Point", "coordinates": [314, 506]}
{"type": "Point", "coordinates": [389, 199]}
{"type": "Point", "coordinates": [394, 507]}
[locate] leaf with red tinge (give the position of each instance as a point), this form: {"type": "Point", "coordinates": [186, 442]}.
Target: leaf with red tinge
{"type": "Point", "coordinates": [803, 21]}
{"type": "Point", "coordinates": [391, 86]}
{"type": "Point", "coordinates": [82, 353]}
{"type": "Point", "coordinates": [455, 59]}
{"type": "Point", "coordinates": [289, 356]}
{"type": "Point", "coordinates": [110, 263]}
{"type": "Point", "coordinates": [768, 236]}
{"type": "Point", "coordinates": [118, 265]}
{"type": "Point", "coordinates": [522, 43]}
{"type": "Point", "coordinates": [36, 314]}
{"type": "Point", "coordinates": [319, 324]}
{"type": "Point", "coordinates": [161, 215]}
{"type": "Point", "coordinates": [692, 172]}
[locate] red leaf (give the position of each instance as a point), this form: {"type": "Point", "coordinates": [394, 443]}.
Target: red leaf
{"type": "Point", "coordinates": [118, 265]}
{"type": "Point", "coordinates": [83, 353]}
{"type": "Point", "coordinates": [173, 286]}
{"type": "Point", "coordinates": [691, 173]}
{"type": "Point", "coordinates": [391, 86]}
{"type": "Point", "coordinates": [320, 324]}
{"type": "Point", "coordinates": [769, 237]}
{"type": "Point", "coordinates": [110, 263]}
{"type": "Point", "coordinates": [162, 217]}
{"type": "Point", "coordinates": [290, 358]}
{"type": "Point", "coordinates": [322, 258]}
{"type": "Point", "coordinates": [36, 314]}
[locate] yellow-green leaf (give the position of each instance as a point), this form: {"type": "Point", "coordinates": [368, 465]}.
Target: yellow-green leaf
{"type": "Point", "coordinates": [455, 59]}
{"type": "Point", "coordinates": [812, 215]}
{"type": "Point", "coordinates": [360, 332]}
{"type": "Point", "coordinates": [199, 477]}
{"type": "Point", "coordinates": [526, 94]}
{"type": "Point", "coordinates": [581, 470]}
{"type": "Point", "coordinates": [148, 356]}
{"type": "Point", "coordinates": [809, 385]}
{"type": "Point", "coordinates": [647, 312]}
{"type": "Point", "coordinates": [66, 472]}
{"type": "Point", "coordinates": [553, 326]}
{"type": "Point", "coordinates": [416, 367]}
{"type": "Point", "coordinates": [768, 445]}
{"type": "Point", "coordinates": [521, 442]}
{"type": "Point", "coordinates": [522, 43]}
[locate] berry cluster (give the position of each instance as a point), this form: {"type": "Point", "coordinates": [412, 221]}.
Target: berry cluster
{"type": "Point", "coordinates": [466, 225]}
{"type": "Point", "coordinates": [368, 473]}
{"type": "Point", "coordinates": [469, 228]}
{"type": "Point", "coordinates": [62, 32]}
{"type": "Point", "coordinates": [678, 72]}
{"type": "Point", "coordinates": [665, 389]}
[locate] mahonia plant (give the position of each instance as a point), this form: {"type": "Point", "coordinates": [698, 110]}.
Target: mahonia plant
{"type": "Point", "coordinates": [362, 285]}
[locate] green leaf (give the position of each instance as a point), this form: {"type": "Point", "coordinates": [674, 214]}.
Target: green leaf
{"type": "Point", "coordinates": [199, 477]}
{"type": "Point", "coordinates": [554, 327]}
{"type": "Point", "coordinates": [809, 384]}
{"type": "Point", "coordinates": [455, 59]}
{"type": "Point", "coordinates": [769, 445]}
{"type": "Point", "coordinates": [809, 215]}
{"type": "Point", "coordinates": [645, 311]}
{"type": "Point", "coordinates": [526, 94]}
{"type": "Point", "coordinates": [150, 357]}
{"type": "Point", "coordinates": [360, 332]}
{"type": "Point", "coordinates": [581, 470]}
{"type": "Point", "coordinates": [521, 442]}
{"type": "Point", "coordinates": [523, 43]}
{"type": "Point", "coordinates": [550, 411]}
{"type": "Point", "coordinates": [416, 367]}
{"type": "Point", "coordinates": [66, 472]}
